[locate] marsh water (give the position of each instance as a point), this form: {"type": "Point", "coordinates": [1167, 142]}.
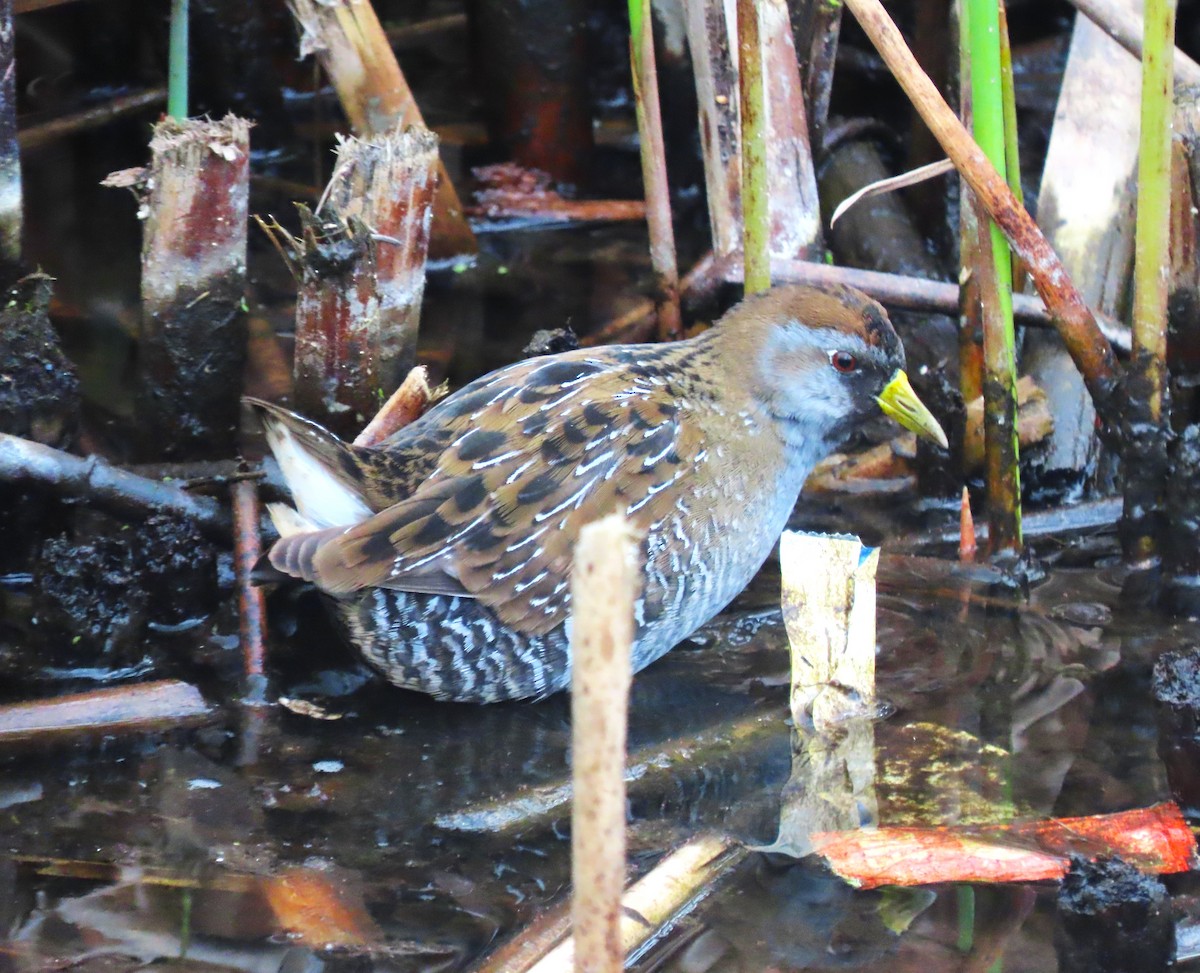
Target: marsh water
{"type": "Point", "coordinates": [444, 829]}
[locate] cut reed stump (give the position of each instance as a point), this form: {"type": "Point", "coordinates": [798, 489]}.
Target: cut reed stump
{"type": "Point", "coordinates": [361, 266]}
{"type": "Point", "coordinates": [829, 612]}
{"type": "Point", "coordinates": [193, 198]}
{"type": "Point", "coordinates": [10, 162]}
{"type": "Point", "coordinates": [354, 51]}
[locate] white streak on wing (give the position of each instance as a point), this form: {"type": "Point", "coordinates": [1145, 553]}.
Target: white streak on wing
{"type": "Point", "coordinates": [446, 545]}
{"type": "Point", "coordinates": [574, 498]}
{"type": "Point", "coordinates": [591, 464]}
{"type": "Point", "coordinates": [483, 464]}
{"type": "Point", "coordinates": [529, 539]}
{"type": "Point", "coordinates": [512, 477]}
{"type": "Point", "coordinates": [526, 585]}
{"type": "Point", "coordinates": [651, 461]}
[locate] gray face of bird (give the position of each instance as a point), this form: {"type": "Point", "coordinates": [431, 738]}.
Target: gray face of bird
{"type": "Point", "coordinates": [822, 382]}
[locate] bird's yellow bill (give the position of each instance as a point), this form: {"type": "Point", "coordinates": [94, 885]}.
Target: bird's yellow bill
{"type": "Point", "coordinates": [899, 401]}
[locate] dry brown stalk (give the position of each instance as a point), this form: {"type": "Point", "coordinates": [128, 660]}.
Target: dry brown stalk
{"type": "Point", "coordinates": [351, 45]}
{"type": "Point", "coordinates": [654, 179]}
{"type": "Point", "coordinates": [604, 586]}
{"type": "Point", "coordinates": [1126, 28]}
{"type": "Point", "coordinates": [36, 136]}
{"type": "Point", "coordinates": [1089, 350]}
{"type": "Point", "coordinates": [914, 293]}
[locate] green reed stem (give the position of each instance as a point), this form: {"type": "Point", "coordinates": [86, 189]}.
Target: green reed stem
{"type": "Point", "coordinates": [1153, 200]}
{"type": "Point", "coordinates": [756, 226]}
{"type": "Point", "coordinates": [177, 62]}
{"type": "Point", "coordinates": [999, 343]}
{"type": "Point", "coordinates": [1144, 425]}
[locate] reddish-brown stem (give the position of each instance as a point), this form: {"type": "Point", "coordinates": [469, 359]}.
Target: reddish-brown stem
{"type": "Point", "coordinates": [247, 549]}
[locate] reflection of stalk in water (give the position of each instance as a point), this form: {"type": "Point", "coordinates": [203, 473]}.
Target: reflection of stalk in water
{"type": "Point", "coordinates": [649, 772]}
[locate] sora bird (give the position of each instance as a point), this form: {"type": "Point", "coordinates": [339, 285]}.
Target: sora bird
{"type": "Point", "coordinates": [447, 548]}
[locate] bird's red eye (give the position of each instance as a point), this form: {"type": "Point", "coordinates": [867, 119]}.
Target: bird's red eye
{"type": "Point", "coordinates": [843, 361]}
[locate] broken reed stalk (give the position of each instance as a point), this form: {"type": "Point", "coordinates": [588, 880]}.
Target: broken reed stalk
{"type": "Point", "coordinates": [11, 205]}
{"type": "Point", "coordinates": [605, 583]}
{"type": "Point", "coordinates": [1145, 429]}
{"type": "Point", "coordinates": [654, 170]}
{"type": "Point", "coordinates": [756, 226]}
{"type": "Point", "coordinates": [650, 906]}
{"type": "Point", "coordinates": [1089, 350]}
{"type": "Point", "coordinates": [252, 604]}
{"type": "Point", "coordinates": [825, 27]}
{"type": "Point", "coordinates": [361, 265]}
{"type": "Point", "coordinates": [1125, 27]}
{"type": "Point", "coordinates": [829, 613]}
{"type": "Point", "coordinates": [192, 347]}
{"type": "Point", "coordinates": [354, 51]}
{"type": "Point", "coordinates": [177, 62]}
{"type": "Point", "coordinates": [406, 405]}
{"type": "Point", "coordinates": [146, 706]}
{"type": "Point", "coordinates": [979, 23]}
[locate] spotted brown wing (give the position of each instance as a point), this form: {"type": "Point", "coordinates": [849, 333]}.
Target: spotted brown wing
{"type": "Point", "coordinates": [551, 447]}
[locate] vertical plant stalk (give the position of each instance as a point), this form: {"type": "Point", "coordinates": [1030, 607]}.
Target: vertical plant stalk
{"type": "Point", "coordinates": [177, 62]}
{"type": "Point", "coordinates": [994, 273]}
{"type": "Point", "coordinates": [793, 203]}
{"type": "Point", "coordinates": [1008, 95]}
{"type": "Point", "coordinates": [11, 205]}
{"type": "Point", "coordinates": [756, 226]}
{"type": "Point", "coordinates": [1145, 429]}
{"type": "Point", "coordinates": [709, 41]}
{"type": "Point", "coordinates": [825, 28]}
{"type": "Point", "coordinates": [252, 604]}
{"type": "Point", "coordinates": [1089, 349]}
{"type": "Point", "coordinates": [353, 49]}
{"type": "Point", "coordinates": [192, 347]}
{"type": "Point", "coordinates": [654, 171]}
{"type": "Point", "coordinates": [362, 277]}
{"type": "Point", "coordinates": [604, 587]}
